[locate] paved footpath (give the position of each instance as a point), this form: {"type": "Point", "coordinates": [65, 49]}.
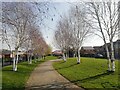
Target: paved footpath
{"type": "Point", "coordinates": [45, 77]}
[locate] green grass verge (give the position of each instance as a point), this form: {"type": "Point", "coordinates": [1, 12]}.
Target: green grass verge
{"type": "Point", "coordinates": [17, 80]}
{"type": "Point", "coordinates": [51, 58]}
{"type": "Point", "coordinates": [91, 73]}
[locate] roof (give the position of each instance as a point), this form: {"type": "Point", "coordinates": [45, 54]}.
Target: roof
{"type": "Point", "coordinates": [57, 51]}
{"type": "Point", "coordinates": [88, 48]}
{"type": "Point", "coordinates": [5, 51]}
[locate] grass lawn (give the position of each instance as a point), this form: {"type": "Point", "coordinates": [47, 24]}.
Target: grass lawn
{"type": "Point", "coordinates": [50, 58]}
{"type": "Point", "coordinates": [17, 80]}
{"type": "Point", "coordinates": [91, 73]}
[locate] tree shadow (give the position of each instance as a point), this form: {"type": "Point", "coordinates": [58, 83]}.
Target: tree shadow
{"type": "Point", "coordinates": [8, 70]}
{"type": "Point", "coordinates": [13, 88]}
{"type": "Point", "coordinates": [93, 77]}
{"type": "Point", "coordinates": [44, 71]}
{"type": "Point", "coordinates": [53, 86]}
{"type": "Point", "coordinates": [67, 66]}
{"type": "Point", "coordinates": [105, 85]}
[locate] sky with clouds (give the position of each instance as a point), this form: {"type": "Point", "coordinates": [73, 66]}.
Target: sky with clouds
{"type": "Point", "coordinates": [48, 32]}
{"type": "Point", "coordinates": [61, 8]}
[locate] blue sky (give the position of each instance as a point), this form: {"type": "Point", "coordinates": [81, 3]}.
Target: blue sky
{"type": "Point", "coordinates": [50, 26]}
{"type": "Point", "coordinates": [48, 32]}
{"type": "Point", "coordinates": [61, 9]}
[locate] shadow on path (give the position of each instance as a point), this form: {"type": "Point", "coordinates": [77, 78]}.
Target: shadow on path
{"type": "Point", "coordinates": [54, 86]}
{"type": "Point", "coordinates": [45, 77]}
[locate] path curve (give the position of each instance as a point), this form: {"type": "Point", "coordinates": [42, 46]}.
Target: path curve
{"type": "Point", "coordinates": [46, 77]}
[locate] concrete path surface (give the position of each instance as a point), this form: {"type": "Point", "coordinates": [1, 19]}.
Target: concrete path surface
{"type": "Point", "coordinates": [45, 77]}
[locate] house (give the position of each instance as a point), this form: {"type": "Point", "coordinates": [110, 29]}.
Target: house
{"type": "Point", "coordinates": [22, 56]}
{"type": "Point", "coordinates": [5, 54]}
{"type": "Point", "coordinates": [117, 49]}
{"type": "Point", "coordinates": [97, 49]}
{"type": "Point", "coordinates": [116, 46]}
{"type": "Point", "coordinates": [57, 53]}
{"type": "Point", "coordinates": [5, 57]}
{"type": "Point", "coordinates": [87, 51]}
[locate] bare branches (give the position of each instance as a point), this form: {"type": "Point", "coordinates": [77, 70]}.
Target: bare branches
{"type": "Point", "coordinates": [73, 30]}
{"type": "Point", "coordinates": [106, 14]}
{"type": "Point", "coordinates": [17, 17]}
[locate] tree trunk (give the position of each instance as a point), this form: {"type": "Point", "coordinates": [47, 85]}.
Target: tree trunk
{"type": "Point", "coordinates": [64, 58]}
{"type": "Point", "coordinates": [112, 56]}
{"type": "Point", "coordinates": [78, 59]}
{"type": "Point", "coordinates": [66, 55]}
{"type": "Point", "coordinates": [108, 57]}
{"type": "Point", "coordinates": [74, 55]}
{"type": "Point", "coordinates": [36, 59]}
{"type": "Point", "coordinates": [15, 61]}
{"type": "Point", "coordinates": [30, 59]}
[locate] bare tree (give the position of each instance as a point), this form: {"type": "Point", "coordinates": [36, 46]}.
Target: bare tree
{"type": "Point", "coordinates": [72, 31]}
{"type": "Point", "coordinates": [105, 14]}
{"type": "Point", "coordinates": [17, 16]}
{"type": "Point", "coordinates": [119, 26]}
{"type": "Point", "coordinates": [80, 28]}
{"type": "Point", "coordinates": [62, 35]}
{"type": "Point", "coordinates": [38, 45]}
{"type": "Point", "coordinates": [27, 45]}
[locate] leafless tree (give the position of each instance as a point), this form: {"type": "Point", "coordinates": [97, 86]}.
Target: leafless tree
{"type": "Point", "coordinates": [62, 36]}
{"type": "Point", "coordinates": [28, 45]}
{"type": "Point", "coordinates": [105, 14]}
{"type": "Point", "coordinates": [119, 19]}
{"type": "Point", "coordinates": [73, 30]}
{"type": "Point", "coordinates": [80, 28]}
{"type": "Point", "coordinates": [16, 16]}
{"type": "Point", "coordinates": [38, 45]}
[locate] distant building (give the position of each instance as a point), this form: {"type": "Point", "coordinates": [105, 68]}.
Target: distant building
{"type": "Point", "coordinates": [5, 53]}
{"type": "Point", "coordinates": [117, 49]}
{"type": "Point", "coordinates": [57, 53]}
{"type": "Point", "coordinates": [5, 56]}
{"type": "Point", "coordinates": [100, 51]}
{"type": "Point", "coordinates": [116, 45]}
{"type": "Point", "coordinates": [87, 51]}
{"type": "Point", "coordinates": [97, 49]}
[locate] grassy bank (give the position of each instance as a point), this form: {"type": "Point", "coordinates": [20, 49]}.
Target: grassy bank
{"type": "Point", "coordinates": [91, 73]}
{"type": "Point", "coordinates": [50, 58]}
{"type": "Point", "coordinates": [17, 80]}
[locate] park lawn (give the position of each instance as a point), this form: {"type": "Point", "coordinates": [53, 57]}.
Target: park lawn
{"type": "Point", "coordinates": [51, 58]}
{"type": "Point", "coordinates": [16, 80]}
{"type": "Point", "coordinates": [91, 73]}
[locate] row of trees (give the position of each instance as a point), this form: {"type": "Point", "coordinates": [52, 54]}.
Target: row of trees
{"type": "Point", "coordinates": [106, 16]}
{"type": "Point", "coordinates": [20, 30]}
{"type": "Point", "coordinates": [72, 31]}
{"type": "Point", "coordinates": [100, 18]}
